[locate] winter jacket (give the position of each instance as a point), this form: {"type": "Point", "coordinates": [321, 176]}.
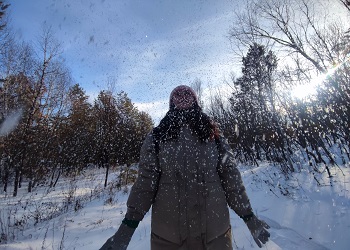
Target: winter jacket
{"type": "Point", "coordinates": [189, 184]}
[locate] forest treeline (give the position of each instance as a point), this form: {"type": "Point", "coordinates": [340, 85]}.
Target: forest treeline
{"type": "Point", "coordinates": [281, 46]}
{"type": "Point", "coordinates": [289, 44]}
{"type": "Point", "coordinates": [59, 131]}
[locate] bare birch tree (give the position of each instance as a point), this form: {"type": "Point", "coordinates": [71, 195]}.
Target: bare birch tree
{"type": "Point", "coordinates": [302, 29]}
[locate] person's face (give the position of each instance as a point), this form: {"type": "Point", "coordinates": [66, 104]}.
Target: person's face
{"type": "Point", "coordinates": [183, 99]}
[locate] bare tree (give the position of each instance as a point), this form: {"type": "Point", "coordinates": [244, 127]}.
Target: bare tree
{"type": "Point", "coordinates": [310, 41]}
{"type": "Point", "coordinates": [3, 7]}
{"type": "Point", "coordinates": [346, 3]}
{"type": "Point", "coordinates": [74, 134]}
{"type": "Point", "coordinates": [105, 119]}
{"type": "Point", "coordinates": [42, 87]}
{"type": "Point", "coordinates": [198, 88]}
{"type": "Point", "coordinates": [301, 29]}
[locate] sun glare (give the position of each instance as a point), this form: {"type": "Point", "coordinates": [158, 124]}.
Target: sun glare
{"type": "Point", "coordinates": [309, 89]}
{"type": "Point", "coordinates": [304, 91]}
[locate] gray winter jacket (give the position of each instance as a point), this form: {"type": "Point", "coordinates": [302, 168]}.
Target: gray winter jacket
{"type": "Point", "coordinates": [189, 184]}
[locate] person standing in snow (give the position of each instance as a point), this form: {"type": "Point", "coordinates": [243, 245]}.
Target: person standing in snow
{"type": "Point", "coordinates": [188, 174]}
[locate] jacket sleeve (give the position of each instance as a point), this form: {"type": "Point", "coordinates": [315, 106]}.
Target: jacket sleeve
{"type": "Point", "coordinates": [231, 181]}
{"type": "Point", "coordinates": [145, 188]}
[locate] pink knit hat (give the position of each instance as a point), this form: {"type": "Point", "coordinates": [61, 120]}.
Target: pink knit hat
{"type": "Point", "coordinates": [183, 97]}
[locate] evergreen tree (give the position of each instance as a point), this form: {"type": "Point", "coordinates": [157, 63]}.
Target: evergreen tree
{"type": "Point", "coordinates": [258, 132]}
{"type": "Point", "coordinates": [119, 131]}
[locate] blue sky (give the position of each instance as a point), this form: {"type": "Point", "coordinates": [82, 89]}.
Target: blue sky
{"type": "Point", "coordinates": [146, 47]}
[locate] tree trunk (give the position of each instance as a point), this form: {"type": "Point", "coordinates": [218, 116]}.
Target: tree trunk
{"type": "Point", "coordinates": [20, 179]}
{"type": "Point", "coordinates": [58, 176]}
{"type": "Point", "coordinates": [16, 182]}
{"type": "Point", "coordinates": [5, 179]}
{"type": "Point", "coordinates": [30, 186]}
{"type": "Point", "coordinates": [126, 175]}
{"type": "Point", "coordinates": [5, 184]}
{"type": "Point", "coordinates": [107, 170]}
{"type": "Point", "coordinates": [52, 177]}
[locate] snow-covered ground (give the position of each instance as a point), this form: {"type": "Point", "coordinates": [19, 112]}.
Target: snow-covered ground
{"type": "Point", "coordinates": [308, 216]}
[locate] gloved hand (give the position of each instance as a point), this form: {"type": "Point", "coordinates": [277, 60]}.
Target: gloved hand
{"type": "Point", "coordinates": [258, 230]}
{"type": "Point", "coordinates": [120, 240]}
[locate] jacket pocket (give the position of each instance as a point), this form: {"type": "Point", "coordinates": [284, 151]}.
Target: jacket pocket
{"type": "Point", "coordinates": [166, 213]}
{"type": "Point", "coordinates": [217, 211]}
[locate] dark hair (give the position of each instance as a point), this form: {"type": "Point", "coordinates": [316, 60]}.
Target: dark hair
{"type": "Point", "coordinates": [200, 124]}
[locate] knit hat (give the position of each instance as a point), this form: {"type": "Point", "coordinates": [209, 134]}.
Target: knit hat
{"type": "Point", "coordinates": [183, 97]}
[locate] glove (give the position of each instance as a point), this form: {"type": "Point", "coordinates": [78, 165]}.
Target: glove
{"type": "Point", "coordinates": [258, 230]}
{"type": "Point", "coordinates": [120, 240]}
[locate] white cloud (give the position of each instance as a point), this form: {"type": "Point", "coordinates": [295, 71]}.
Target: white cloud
{"type": "Point", "coordinates": [156, 110]}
